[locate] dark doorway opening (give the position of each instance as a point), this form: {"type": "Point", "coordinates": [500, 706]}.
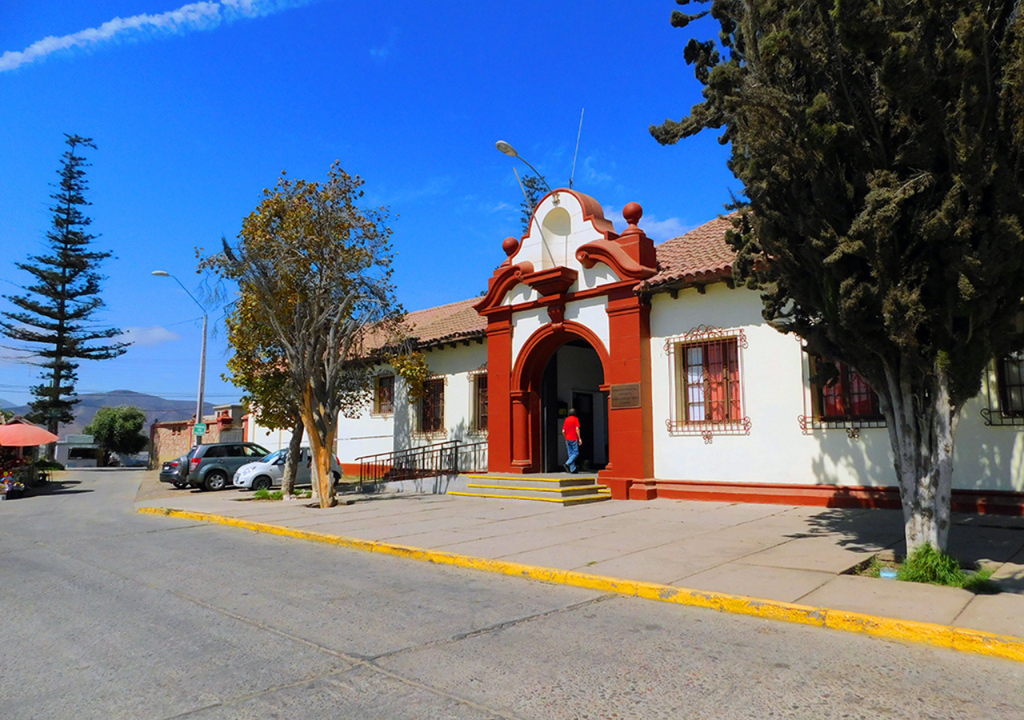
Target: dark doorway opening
{"type": "Point", "coordinates": [572, 378]}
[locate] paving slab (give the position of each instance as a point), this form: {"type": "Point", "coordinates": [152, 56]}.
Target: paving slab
{"type": "Point", "coordinates": [665, 564]}
{"type": "Point", "coordinates": [891, 598]}
{"type": "Point", "coordinates": [988, 546]}
{"type": "Point", "coordinates": [810, 553]}
{"type": "Point", "coordinates": [576, 556]}
{"type": "Point", "coordinates": [496, 547]}
{"type": "Point", "coordinates": [760, 582]}
{"type": "Point", "coordinates": [1002, 614]}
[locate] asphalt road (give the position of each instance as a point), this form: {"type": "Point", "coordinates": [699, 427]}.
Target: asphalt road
{"type": "Point", "coordinates": [108, 614]}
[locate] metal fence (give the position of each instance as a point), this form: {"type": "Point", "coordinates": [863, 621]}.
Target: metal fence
{"type": "Point", "coordinates": [442, 459]}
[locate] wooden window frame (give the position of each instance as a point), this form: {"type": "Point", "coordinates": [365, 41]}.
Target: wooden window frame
{"type": "Point", "coordinates": [426, 403]}
{"type": "Point", "coordinates": [380, 408]}
{"type": "Point", "coordinates": [720, 374]}
{"type": "Point", "coordinates": [816, 415]}
{"type": "Point", "coordinates": [478, 404]}
{"type": "Point", "coordinates": [1000, 411]}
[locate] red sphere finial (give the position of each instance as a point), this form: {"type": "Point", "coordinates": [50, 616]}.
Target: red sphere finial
{"type": "Point", "coordinates": [510, 246]}
{"type": "Point", "coordinates": [633, 212]}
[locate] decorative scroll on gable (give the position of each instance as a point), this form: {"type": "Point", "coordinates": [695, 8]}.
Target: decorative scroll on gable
{"type": "Point", "coordinates": [570, 246]}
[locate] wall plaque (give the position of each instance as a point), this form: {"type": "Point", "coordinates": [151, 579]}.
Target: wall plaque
{"type": "Point", "coordinates": [625, 396]}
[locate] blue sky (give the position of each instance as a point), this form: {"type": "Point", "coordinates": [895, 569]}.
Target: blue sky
{"type": "Point", "coordinates": [195, 108]}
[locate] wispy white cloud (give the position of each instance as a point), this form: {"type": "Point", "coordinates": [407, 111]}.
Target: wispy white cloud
{"type": "Point", "coordinates": [590, 173]}
{"type": "Point", "coordinates": [657, 230]}
{"type": "Point", "coordinates": [148, 336]}
{"type": "Point", "coordinates": [188, 18]}
{"type": "Point", "coordinates": [383, 52]}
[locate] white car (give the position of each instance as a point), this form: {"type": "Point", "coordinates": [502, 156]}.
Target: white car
{"type": "Point", "coordinates": [267, 473]}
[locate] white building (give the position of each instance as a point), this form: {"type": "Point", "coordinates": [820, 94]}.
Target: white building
{"type": "Point", "coordinates": [682, 388]}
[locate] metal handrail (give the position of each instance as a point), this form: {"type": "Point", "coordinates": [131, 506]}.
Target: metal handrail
{"type": "Point", "coordinates": [420, 462]}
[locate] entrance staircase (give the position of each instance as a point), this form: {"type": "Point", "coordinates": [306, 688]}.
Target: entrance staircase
{"type": "Point", "coordinates": [562, 488]}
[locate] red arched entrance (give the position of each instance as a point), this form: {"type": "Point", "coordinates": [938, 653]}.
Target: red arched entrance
{"type": "Point", "coordinates": [525, 387]}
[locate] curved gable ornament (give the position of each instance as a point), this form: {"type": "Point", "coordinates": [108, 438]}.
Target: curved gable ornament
{"type": "Point", "coordinates": [568, 234]}
{"type": "Point", "coordinates": [504, 279]}
{"type": "Point", "coordinates": [630, 255]}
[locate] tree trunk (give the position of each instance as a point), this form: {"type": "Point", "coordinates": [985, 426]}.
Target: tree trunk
{"type": "Point", "coordinates": [922, 422]}
{"type": "Point", "coordinates": [292, 462]}
{"type": "Point", "coordinates": [321, 443]}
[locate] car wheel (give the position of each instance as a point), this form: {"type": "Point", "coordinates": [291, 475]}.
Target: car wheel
{"type": "Point", "coordinates": [261, 483]}
{"type": "Point", "coordinates": [216, 480]}
{"type": "Point", "coordinates": [180, 484]}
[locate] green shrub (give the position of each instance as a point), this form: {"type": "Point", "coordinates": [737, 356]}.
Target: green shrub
{"type": "Point", "coordinates": [276, 495]}
{"type": "Point", "coordinates": [44, 464]}
{"type": "Point", "coordinates": [928, 565]}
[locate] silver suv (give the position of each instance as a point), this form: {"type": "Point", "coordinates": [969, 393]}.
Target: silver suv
{"type": "Point", "coordinates": [212, 466]}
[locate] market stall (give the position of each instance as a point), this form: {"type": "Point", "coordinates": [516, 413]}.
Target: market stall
{"type": "Point", "coordinates": [19, 443]}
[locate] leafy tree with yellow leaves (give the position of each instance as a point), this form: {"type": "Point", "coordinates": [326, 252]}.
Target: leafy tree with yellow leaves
{"type": "Point", "coordinates": [316, 268]}
{"type": "Point", "coordinates": [258, 366]}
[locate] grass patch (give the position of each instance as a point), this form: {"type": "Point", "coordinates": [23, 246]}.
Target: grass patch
{"type": "Point", "coordinates": [264, 494]}
{"type": "Point", "coordinates": [928, 565]}
{"type": "Point", "coordinates": [874, 566]}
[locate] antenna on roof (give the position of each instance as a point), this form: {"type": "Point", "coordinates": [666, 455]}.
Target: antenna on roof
{"type": "Point", "coordinates": [580, 132]}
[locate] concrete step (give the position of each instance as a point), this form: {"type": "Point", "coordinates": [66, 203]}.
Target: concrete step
{"type": "Point", "coordinates": [564, 501]}
{"type": "Point", "coordinates": [533, 491]}
{"type": "Point", "coordinates": [533, 481]}
{"type": "Point", "coordinates": [561, 488]}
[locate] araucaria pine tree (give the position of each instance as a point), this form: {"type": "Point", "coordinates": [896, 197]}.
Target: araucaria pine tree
{"type": "Point", "coordinates": [52, 318]}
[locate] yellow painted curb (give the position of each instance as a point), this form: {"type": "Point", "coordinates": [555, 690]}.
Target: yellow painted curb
{"type": "Point", "coordinates": [962, 639]}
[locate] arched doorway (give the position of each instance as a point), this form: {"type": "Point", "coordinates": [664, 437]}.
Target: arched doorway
{"type": "Point", "coordinates": [573, 378]}
{"type": "Point", "coordinates": [562, 365]}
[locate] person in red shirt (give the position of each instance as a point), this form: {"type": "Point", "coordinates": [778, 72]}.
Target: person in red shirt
{"type": "Point", "coordinates": [571, 433]}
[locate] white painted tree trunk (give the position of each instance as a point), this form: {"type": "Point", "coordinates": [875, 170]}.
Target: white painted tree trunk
{"type": "Point", "coordinates": [922, 423]}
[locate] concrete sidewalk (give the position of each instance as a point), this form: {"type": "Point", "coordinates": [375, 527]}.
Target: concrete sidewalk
{"type": "Point", "coordinates": [792, 554]}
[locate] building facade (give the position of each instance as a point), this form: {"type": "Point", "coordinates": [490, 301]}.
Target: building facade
{"type": "Point", "coordinates": [682, 389]}
{"type": "Point", "coordinates": [172, 439]}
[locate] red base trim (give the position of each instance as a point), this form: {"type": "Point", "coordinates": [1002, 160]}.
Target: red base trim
{"type": "Point", "coordinates": [990, 502]}
{"type": "Point", "coordinates": [352, 469]}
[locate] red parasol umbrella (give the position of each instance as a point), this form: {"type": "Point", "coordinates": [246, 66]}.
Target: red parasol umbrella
{"type": "Point", "coordinates": [20, 435]}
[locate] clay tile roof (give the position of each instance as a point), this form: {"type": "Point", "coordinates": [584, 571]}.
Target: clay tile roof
{"type": "Point", "coordinates": [701, 255]}
{"type": "Point", "coordinates": [446, 322]}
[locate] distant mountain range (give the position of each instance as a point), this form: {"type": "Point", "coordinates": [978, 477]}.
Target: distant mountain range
{"type": "Point", "coordinates": [157, 409]}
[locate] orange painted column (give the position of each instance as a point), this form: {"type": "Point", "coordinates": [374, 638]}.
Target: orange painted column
{"type": "Point", "coordinates": [521, 459]}
{"type": "Point", "coordinates": [499, 391]}
{"type": "Point", "coordinates": [630, 471]}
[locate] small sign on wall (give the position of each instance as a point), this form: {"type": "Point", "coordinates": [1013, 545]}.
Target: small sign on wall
{"type": "Point", "coordinates": [625, 396]}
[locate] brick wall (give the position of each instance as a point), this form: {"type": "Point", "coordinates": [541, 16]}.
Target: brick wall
{"type": "Point", "coordinates": [172, 439]}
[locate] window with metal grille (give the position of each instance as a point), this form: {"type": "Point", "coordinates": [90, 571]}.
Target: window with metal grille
{"type": "Point", "coordinates": [707, 378]}
{"type": "Point", "coordinates": [712, 374]}
{"type": "Point", "coordinates": [432, 406]}
{"type": "Point", "coordinates": [1010, 374]}
{"type": "Point", "coordinates": [384, 395]}
{"type": "Point", "coordinates": [480, 402]}
{"type": "Point", "coordinates": [1006, 392]}
{"type": "Point", "coordinates": [847, 397]}
{"type": "Point", "coordinates": [846, 402]}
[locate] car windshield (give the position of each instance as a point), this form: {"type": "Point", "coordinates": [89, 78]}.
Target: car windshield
{"type": "Point", "coordinates": [275, 456]}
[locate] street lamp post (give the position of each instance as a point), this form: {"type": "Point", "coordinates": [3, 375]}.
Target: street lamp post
{"type": "Point", "coordinates": [202, 354]}
{"type": "Point", "coordinates": [507, 149]}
